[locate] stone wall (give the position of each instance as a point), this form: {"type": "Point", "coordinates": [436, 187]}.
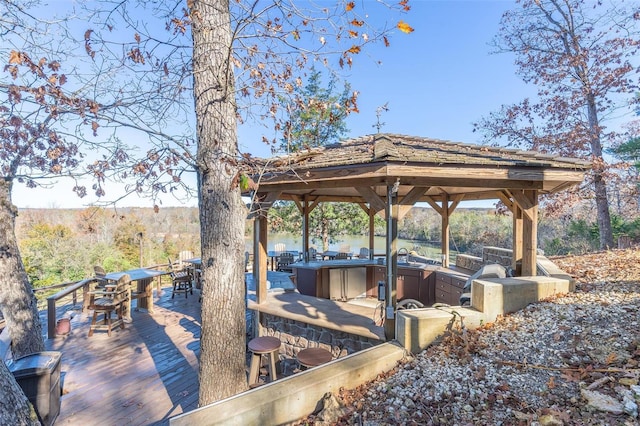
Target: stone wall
{"type": "Point", "coordinates": [490, 255]}
{"type": "Point", "coordinates": [467, 261]}
{"type": "Point", "coordinates": [498, 255]}
{"type": "Point", "coordinates": [296, 335]}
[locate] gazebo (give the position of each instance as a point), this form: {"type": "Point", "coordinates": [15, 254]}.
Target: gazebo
{"type": "Point", "coordinates": [386, 174]}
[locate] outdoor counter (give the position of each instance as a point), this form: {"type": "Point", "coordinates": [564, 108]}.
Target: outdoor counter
{"type": "Point", "coordinates": [350, 279]}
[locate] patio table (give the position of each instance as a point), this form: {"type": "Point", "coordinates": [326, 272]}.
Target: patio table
{"type": "Point", "coordinates": [273, 255]}
{"type": "Point", "coordinates": [196, 270]}
{"type": "Point", "coordinates": [143, 278]}
{"type": "Point", "coordinates": [330, 254]}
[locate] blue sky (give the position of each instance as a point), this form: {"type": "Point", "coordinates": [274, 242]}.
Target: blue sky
{"type": "Point", "coordinates": [437, 81]}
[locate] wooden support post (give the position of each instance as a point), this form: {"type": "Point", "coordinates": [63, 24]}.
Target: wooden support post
{"type": "Point", "coordinates": [516, 262]}
{"type": "Point", "coordinates": [372, 217]}
{"type": "Point", "coordinates": [391, 213]}
{"type": "Point", "coordinates": [445, 230]}
{"type": "Point", "coordinates": [530, 233]}
{"type": "Point", "coordinates": [260, 256]}
{"type": "Point", "coordinates": [305, 228]}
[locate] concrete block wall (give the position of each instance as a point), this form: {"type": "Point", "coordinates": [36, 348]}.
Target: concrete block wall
{"type": "Point", "coordinates": [467, 261]}
{"type": "Point", "coordinates": [296, 335]}
{"type": "Point", "coordinates": [497, 255]}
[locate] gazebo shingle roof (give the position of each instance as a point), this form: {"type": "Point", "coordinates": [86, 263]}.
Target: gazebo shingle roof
{"type": "Point", "coordinates": [352, 169]}
{"type": "Point", "coordinates": [411, 149]}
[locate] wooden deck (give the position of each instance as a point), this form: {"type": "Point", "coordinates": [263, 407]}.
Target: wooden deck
{"type": "Point", "coordinates": [141, 375]}
{"type": "Point", "coordinates": [148, 372]}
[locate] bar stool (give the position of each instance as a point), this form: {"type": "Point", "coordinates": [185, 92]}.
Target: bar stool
{"type": "Point", "coordinates": [265, 345]}
{"type": "Point", "coordinates": [312, 357]}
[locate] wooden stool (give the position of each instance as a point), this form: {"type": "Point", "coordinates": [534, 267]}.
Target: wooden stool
{"type": "Point", "coordinates": [265, 345]}
{"type": "Point", "coordinates": [312, 357]}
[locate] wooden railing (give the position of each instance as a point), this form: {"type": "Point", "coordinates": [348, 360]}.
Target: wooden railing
{"type": "Point", "coordinates": [72, 289]}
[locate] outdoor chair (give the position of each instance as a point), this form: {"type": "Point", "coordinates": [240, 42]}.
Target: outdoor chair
{"type": "Point", "coordinates": [364, 253]}
{"type": "Point", "coordinates": [100, 275]}
{"type": "Point", "coordinates": [182, 256]}
{"type": "Point", "coordinates": [280, 248]}
{"type": "Point", "coordinates": [345, 248]}
{"type": "Point", "coordinates": [284, 260]}
{"type": "Point", "coordinates": [313, 254]}
{"type": "Point", "coordinates": [111, 299]}
{"type": "Point", "coordinates": [342, 255]}
{"type": "Point", "coordinates": [182, 281]}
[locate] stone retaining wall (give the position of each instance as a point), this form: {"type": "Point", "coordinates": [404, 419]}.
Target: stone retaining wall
{"type": "Point", "coordinates": [296, 335]}
{"type": "Point", "coordinates": [497, 255]}
{"type": "Point", "coordinates": [467, 261]}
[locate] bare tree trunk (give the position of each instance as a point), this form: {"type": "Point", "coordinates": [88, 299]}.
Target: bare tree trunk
{"type": "Point", "coordinates": [222, 212]}
{"type": "Point", "coordinates": [15, 408]}
{"type": "Point", "coordinates": [20, 310]}
{"type": "Point", "coordinates": [17, 301]}
{"type": "Point", "coordinates": [325, 234]}
{"type": "Point", "coordinates": [599, 183]}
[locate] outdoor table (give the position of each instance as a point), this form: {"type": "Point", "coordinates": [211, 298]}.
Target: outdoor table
{"type": "Point", "coordinates": [194, 261]}
{"type": "Point", "coordinates": [143, 278]}
{"type": "Point", "coordinates": [196, 269]}
{"type": "Point", "coordinates": [330, 254]}
{"type": "Point", "coordinates": [273, 255]}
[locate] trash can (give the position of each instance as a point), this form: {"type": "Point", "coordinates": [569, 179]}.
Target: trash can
{"type": "Point", "coordinates": [38, 375]}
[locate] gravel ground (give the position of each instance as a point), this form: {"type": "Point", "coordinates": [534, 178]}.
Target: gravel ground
{"type": "Point", "coordinates": [571, 360]}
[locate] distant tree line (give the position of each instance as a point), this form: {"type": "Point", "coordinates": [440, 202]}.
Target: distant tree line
{"type": "Point", "coordinates": [471, 229]}
{"type": "Point", "coordinates": [64, 247]}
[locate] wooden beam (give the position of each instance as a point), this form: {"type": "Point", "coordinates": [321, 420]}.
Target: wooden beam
{"type": "Point", "coordinates": [422, 175]}
{"type": "Point", "coordinates": [433, 204]}
{"type": "Point", "coordinates": [520, 197]}
{"type": "Point", "coordinates": [372, 217]}
{"type": "Point", "coordinates": [516, 262]}
{"type": "Point", "coordinates": [313, 205]}
{"type": "Point", "coordinates": [260, 257]}
{"type": "Point", "coordinates": [408, 201]}
{"type": "Point", "coordinates": [298, 205]}
{"type": "Point", "coordinates": [374, 200]}
{"type": "Point", "coordinates": [505, 200]}
{"type": "Point", "coordinates": [419, 180]}
{"type": "Point", "coordinates": [305, 229]}
{"type": "Point", "coordinates": [445, 232]}
{"type": "Point", "coordinates": [413, 196]}
{"type": "Point", "coordinates": [364, 207]}
{"type": "Point", "coordinates": [456, 200]}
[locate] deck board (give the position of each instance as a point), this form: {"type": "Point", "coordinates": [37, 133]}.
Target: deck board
{"type": "Point", "coordinates": [148, 372]}
{"type": "Point", "coordinates": [141, 375]}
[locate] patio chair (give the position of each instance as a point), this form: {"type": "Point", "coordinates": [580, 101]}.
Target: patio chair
{"type": "Point", "coordinates": [100, 275]}
{"type": "Point", "coordinates": [182, 281]}
{"type": "Point", "coordinates": [342, 255]}
{"type": "Point", "coordinates": [313, 254]}
{"type": "Point", "coordinates": [364, 253]}
{"type": "Point", "coordinates": [111, 299]}
{"type": "Point", "coordinates": [182, 256]}
{"type": "Point", "coordinates": [345, 248]}
{"type": "Point", "coordinates": [284, 260]}
{"type": "Point", "coordinates": [280, 247]}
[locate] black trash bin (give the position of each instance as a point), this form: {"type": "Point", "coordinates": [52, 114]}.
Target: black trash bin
{"type": "Point", "coordinates": [38, 375]}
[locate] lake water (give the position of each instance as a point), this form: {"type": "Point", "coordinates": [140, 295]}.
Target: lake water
{"type": "Point", "coordinates": [294, 242]}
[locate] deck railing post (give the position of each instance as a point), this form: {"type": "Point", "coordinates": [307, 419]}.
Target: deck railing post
{"type": "Point", "coordinates": [51, 317]}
